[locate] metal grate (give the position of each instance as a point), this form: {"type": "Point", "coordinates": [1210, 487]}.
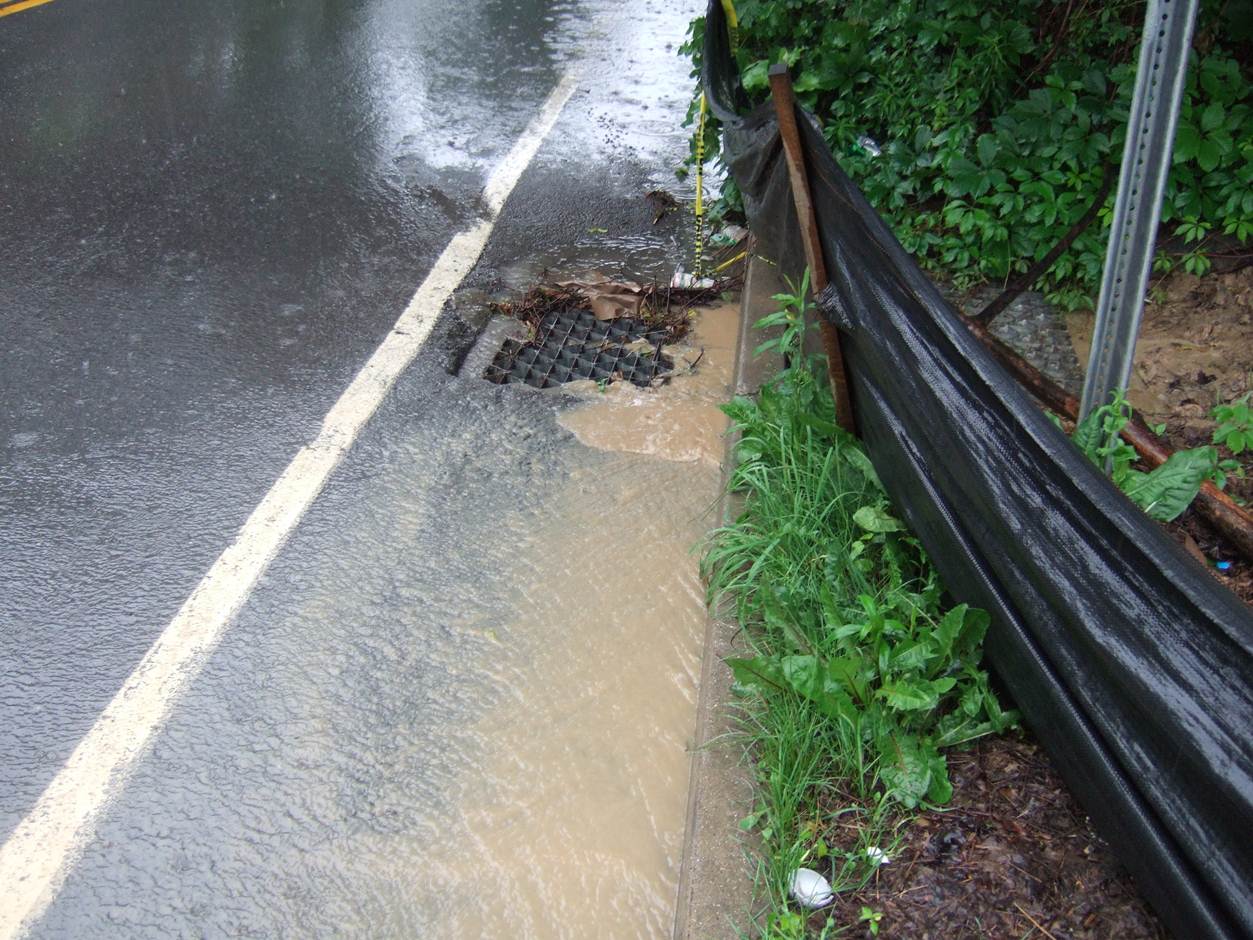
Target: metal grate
{"type": "Point", "coordinates": [572, 344]}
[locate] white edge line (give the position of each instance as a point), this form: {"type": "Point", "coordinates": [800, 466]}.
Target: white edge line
{"type": "Point", "coordinates": [36, 858]}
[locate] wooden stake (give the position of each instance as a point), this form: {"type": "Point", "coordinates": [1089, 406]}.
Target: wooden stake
{"type": "Point", "coordinates": [785, 109]}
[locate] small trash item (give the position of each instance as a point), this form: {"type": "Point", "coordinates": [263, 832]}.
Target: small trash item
{"type": "Point", "coordinates": [1223, 565]}
{"type": "Point", "coordinates": [729, 235]}
{"type": "Point", "coordinates": [661, 203]}
{"type": "Point", "coordinates": [809, 889]}
{"type": "Point", "coordinates": [683, 280]}
{"type": "Point", "coordinates": [869, 144]}
{"type": "Point", "coordinates": [877, 856]}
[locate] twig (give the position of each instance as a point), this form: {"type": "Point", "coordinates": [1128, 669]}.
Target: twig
{"type": "Point", "coordinates": [1038, 926]}
{"type": "Point", "coordinates": [1040, 268]}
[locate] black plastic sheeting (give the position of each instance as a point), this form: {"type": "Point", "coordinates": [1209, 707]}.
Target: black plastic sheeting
{"type": "Point", "coordinates": [1131, 665]}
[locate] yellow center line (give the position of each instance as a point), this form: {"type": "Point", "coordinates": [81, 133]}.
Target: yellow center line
{"type": "Point", "coordinates": [22, 5]}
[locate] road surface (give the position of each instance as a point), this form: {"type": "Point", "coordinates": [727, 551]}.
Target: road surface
{"type": "Point", "coordinates": [215, 219]}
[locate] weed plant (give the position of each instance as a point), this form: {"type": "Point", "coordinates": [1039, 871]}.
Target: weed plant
{"type": "Point", "coordinates": [859, 674]}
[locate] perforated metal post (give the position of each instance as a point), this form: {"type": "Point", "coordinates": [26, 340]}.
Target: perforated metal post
{"type": "Point", "coordinates": [1138, 205]}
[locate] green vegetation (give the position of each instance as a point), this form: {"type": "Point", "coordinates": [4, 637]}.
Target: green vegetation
{"type": "Point", "coordinates": [998, 124]}
{"type": "Point", "coordinates": [1235, 425]}
{"type": "Point", "coordinates": [859, 676]}
{"type": "Point", "coordinates": [1164, 492]}
{"type": "Point", "coordinates": [1235, 432]}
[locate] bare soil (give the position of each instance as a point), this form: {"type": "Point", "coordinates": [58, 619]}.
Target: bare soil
{"type": "Point", "coordinates": [1012, 856]}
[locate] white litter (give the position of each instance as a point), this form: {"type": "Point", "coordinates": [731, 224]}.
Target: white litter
{"type": "Point", "coordinates": [810, 889]}
{"type": "Point", "coordinates": [877, 856]}
{"type": "Point", "coordinates": [869, 144]}
{"type": "Point", "coordinates": [682, 279]}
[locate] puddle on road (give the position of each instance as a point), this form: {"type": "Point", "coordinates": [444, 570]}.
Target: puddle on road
{"type": "Point", "coordinates": [681, 421]}
{"type": "Point", "coordinates": [574, 825]}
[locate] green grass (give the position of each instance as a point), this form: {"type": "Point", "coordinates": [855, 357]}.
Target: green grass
{"type": "Point", "coordinates": [857, 674]}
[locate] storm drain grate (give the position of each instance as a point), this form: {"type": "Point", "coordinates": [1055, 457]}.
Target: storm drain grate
{"type": "Point", "coordinates": [572, 344]}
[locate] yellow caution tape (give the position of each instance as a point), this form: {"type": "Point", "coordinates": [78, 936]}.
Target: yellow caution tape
{"type": "Point", "coordinates": [698, 262]}
{"type": "Point", "coordinates": [726, 264]}
{"type": "Point", "coordinates": [733, 24]}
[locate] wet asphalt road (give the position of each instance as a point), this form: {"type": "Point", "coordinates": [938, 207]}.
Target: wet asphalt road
{"type": "Point", "coordinates": [211, 214]}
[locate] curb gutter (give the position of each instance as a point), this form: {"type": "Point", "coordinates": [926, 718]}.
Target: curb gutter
{"type": "Point", "coordinates": [716, 876]}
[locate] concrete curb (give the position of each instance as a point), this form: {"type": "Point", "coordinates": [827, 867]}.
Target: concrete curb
{"type": "Point", "coordinates": [716, 876]}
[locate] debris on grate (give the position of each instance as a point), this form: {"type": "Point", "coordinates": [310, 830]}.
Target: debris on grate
{"type": "Point", "coordinates": [572, 344]}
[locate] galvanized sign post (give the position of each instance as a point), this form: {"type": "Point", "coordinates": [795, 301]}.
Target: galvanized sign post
{"type": "Point", "coordinates": [1138, 206]}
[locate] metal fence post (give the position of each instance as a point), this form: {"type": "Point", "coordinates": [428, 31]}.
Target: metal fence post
{"type": "Point", "coordinates": [1160, 77]}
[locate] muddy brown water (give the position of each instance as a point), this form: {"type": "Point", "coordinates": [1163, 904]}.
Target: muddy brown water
{"type": "Point", "coordinates": [574, 825]}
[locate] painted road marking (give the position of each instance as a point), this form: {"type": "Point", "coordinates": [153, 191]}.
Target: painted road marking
{"type": "Point", "coordinates": [23, 5]}
{"type": "Point", "coordinates": [37, 857]}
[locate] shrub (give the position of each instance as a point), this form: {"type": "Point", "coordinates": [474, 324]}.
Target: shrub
{"type": "Point", "coordinates": [996, 124]}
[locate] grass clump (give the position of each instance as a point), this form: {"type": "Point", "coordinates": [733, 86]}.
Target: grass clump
{"type": "Point", "coordinates": [860, 674]}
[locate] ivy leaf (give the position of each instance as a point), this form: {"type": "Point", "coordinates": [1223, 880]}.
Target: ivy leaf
{"type": "Point", "coordinates": [1208, 155]}
{"type": "Point", "coordinates": [987, 148]}
{"type": "Point", "coordinates": [1212, 117]}
{"type": "Point", "coordinates": [965, 179]}
{"type": "Point", "coordinates": [1094, 82]}
{"type": "Point", "coordinates": [755, 77]}
{"type": "Point", "coordinates": [1187, 142]}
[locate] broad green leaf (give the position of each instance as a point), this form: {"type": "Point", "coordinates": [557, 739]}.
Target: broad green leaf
{"type": "Point", "coordinates": [965, 178]}
{"type": "Point", "coordinates": [971, 702]}
{"type": "Point", "coordinates": [908, 696]}
{"type": "Point", "coordinates": [903, 767]}
{"type": "Point", "coordinates": [950, 629]}
{"type": "Point", "coordinates": [914, 656]}
{"type": "Point", "coordinates": [807, 677]}
{"type": "Point", "coordinates": [1089, 436]}
{"type": "Point", "coordinates": [1094, 81]}
{"type": "Point", "coordinates": [849, 672]}
{"type": "Point", "coordinates": [807, 81]}
{"type": "Point", "coordinates": [759, 672]}
{"type": "Point", "coordinates": [875, 519]}
{"type": "Point", "coordinates": [755, 77]}
{"type": "Point", "coordinates": [1168, 490]}
{"type": "Point", "coordinates": [804, 675]}
{"type": "Point", "coordinates": [940, 790]}
{"type": "Point", "coordinates": [944, 685]}
{"type": "Point", "coordinates": [858, 459]}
